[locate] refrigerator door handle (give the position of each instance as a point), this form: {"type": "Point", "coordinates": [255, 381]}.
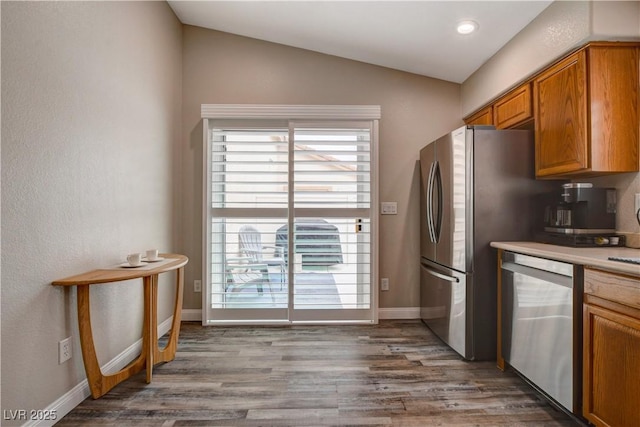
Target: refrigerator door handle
{"type": "Point", "coordinates": [432, 235]}
{"type": "Point", "coordinates": [437, 227]}
{"type": "Point", "coordinates": [440, 275]}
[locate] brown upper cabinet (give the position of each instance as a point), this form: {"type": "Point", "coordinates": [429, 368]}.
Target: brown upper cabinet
{"type": "Point", "coordinates": [508, 111]}
{"type": "Point", "coordinates": [585, 110]}
{"type": "Point", "coordinates": [514, 108]}
{"type": "Point", "coordinates": [482, 117]}
{"type": "Point", "coordinates": [586, 113]}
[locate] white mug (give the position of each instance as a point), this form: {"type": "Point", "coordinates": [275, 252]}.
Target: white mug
{"type": "Point", "coordinates": [134, 259]}
{"type": "Point", "coordinates": [152, 254]}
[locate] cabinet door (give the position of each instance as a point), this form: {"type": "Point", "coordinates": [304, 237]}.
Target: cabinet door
{"type": "Point", "coordinates": [614, 97]}
{"type": "Point", "coordinates": [514, 108]}
{"type": "Point", "coordinates": [482, 117]}
{"type": "Point", "coordinates": [611, 368]}
{"type": "Point", "coordinates": [560, 109]}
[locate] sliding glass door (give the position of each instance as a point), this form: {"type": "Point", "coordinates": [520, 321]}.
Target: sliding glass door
{"type": "Point", "coordinates": [289, 228]}
{"type": "Point", "coordinates": [249, 193]}
{"type": "Point", "coordinates": [331, 201]}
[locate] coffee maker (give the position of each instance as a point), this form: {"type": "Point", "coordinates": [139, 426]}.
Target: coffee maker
{"type": "Point", "coordinates": [579, 215]}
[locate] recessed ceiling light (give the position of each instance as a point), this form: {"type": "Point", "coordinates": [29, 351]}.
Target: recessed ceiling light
{"type": "Point", "coordinates": [467, 27]}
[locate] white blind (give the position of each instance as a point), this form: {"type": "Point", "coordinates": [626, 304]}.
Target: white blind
{"type": "Point", "coordinates": [331, 200]}
{"type": "Point", "coordinates": [332, 168]}
{"type": "Point", "coordinates": [249, 188]}
{"type": "Point", "coordinates": [322, 173]}
{"type": "Point", "coordinates": [249, 168]}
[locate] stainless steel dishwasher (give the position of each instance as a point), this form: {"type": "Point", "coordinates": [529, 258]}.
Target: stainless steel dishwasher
{"type": "Point", "coordinates": [542, 325]}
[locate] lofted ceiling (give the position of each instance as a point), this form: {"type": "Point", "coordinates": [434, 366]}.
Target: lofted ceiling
{"type": "Point", "coordinates": [415, 36]}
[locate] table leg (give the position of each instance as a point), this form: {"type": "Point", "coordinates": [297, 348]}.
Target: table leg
{"type": "Point", "coordinates": [99, 384]}
{"type": "Point", "coordinates": [169, 352]}
{"type": "Point", "coordinates": [150, 332]}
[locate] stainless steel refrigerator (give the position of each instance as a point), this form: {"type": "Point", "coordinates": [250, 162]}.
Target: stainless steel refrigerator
{"type": "Point", "coordinates": [477, 186]}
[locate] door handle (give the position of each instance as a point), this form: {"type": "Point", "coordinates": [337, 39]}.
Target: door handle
{"type": "Point", "coordinates": [437, 225]}
{"type": "Point", "coordinates": [432, 236]}
{"type": "Point", "coordinates": [545, 276]}
{"type": "Point", "coordinates": [440, 275]}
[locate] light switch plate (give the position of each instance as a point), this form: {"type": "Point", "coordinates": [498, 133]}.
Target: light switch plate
{"type": "Point", "coordinates": [389, 208]}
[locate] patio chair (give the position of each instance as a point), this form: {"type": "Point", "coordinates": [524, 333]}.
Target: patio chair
{"type": "Point", "coordinates": [250, 244]}
{"type": "Point", "coordinates": [241, 272]}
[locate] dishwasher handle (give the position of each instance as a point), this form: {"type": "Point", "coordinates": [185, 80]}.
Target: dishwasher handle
{"type": "Point", "coordinates": [547, 276]}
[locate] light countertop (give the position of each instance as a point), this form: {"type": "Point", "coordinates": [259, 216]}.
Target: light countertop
{"type": "Point", "coordinates": [593, 257]}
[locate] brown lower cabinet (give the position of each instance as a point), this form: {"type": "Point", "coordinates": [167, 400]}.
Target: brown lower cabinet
{"type": "Point", "coordinates": [611, 364]}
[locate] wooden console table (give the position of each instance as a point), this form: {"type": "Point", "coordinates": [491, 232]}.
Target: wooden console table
{"type": "Point", "coordinates": [151, 354]}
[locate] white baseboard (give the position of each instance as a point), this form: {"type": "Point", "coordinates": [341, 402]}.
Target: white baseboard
{"type": "Point", "coordinates": [80, 392]}
{"type": "Point", "coordinates": [191, 315]}
{"type": "Point", "coordinates": [399, 313]}
{"type": "Point", "coordinates": [195, 315]}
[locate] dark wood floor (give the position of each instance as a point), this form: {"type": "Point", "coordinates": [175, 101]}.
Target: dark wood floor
{"type": "Point", "coordinates": [394, 373]}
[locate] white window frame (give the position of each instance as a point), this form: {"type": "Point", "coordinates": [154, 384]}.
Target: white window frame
{"type": "Point", "coordinates": [290, 113]}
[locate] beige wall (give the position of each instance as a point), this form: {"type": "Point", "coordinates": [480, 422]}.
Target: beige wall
{"type": "Point", "coordinates": [91, 100]}
{"type": "Point", "coordinates": [615, 20]}
{"type": "Point", "coordinates": [559, 28]}
{"type": "Point", "coordinates": [223, 68]}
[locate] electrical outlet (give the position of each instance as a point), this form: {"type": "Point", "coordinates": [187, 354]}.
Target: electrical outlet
{"type": "Point", "coordinates": [197, 286]}
{"type": "Point", "coordinates": [637, 208]}
{"type": "Point", "coordinates": [384, 284]}
{"type": "Point", "coordinates": [64, 350]}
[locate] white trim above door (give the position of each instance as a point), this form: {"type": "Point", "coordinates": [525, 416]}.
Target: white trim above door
{"type": "Point", "coordinates": [290, 112]}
